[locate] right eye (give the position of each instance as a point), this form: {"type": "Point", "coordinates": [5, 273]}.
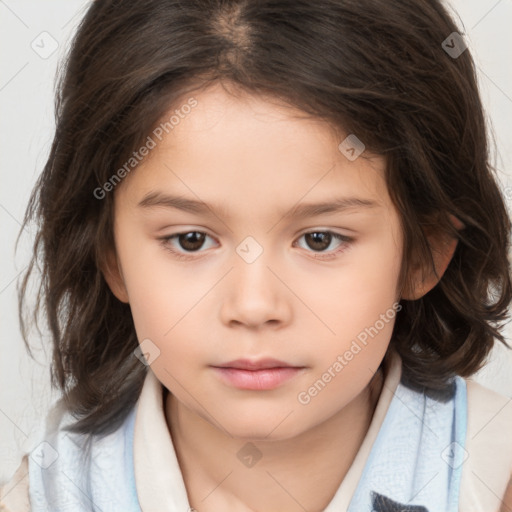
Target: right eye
{"type": "Point", "coordinates": [189, 241]}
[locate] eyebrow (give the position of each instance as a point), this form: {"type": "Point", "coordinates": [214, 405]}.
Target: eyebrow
{"type": "Point", "coordinates": [158, 199]}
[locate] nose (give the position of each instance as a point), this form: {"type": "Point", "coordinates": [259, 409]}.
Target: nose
{"type": "Point", "coordinates": [255, 296]}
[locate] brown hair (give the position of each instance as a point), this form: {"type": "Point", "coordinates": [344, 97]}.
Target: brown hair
{"type": "Point", "coordinates": [375, 69]}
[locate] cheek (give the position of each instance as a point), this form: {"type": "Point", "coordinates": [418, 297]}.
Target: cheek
{"type": "Point", "coordinates": [358, 307]}
{"type": "Point", "coordinates": [160, 294]}
{"type": "Point", "coordinates": [166, 300]}
{"type": "Point", "coordinates": [358, 292]}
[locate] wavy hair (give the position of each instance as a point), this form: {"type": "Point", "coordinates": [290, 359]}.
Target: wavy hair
{"type": "Point", "coordinates": [372, 68]}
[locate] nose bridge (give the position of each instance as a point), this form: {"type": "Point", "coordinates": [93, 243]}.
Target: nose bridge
{"type": "Point", "coordinates": [253, 279]}
{"type": "Point", "coordinates": [254, 294]}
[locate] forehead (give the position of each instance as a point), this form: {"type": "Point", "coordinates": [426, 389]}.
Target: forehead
{"type": "Point", "coordinates": [251, 149]}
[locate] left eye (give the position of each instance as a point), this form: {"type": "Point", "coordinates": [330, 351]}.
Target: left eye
{"type": "Point", "coordinates": [319, 241]}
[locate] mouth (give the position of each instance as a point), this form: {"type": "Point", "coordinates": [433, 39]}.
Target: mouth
{"type": "Point", "coordinates": [263, 374]}
{"type": "Point", "coordinates": [257, 364]}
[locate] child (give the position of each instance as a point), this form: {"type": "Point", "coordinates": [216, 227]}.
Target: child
{"type": "Point", "coordinates": [308, 348]}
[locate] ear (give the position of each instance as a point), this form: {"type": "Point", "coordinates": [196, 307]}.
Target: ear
{"type": "Point", "coordinates": [111, 271]}
{"type": "Point", "coordinates": [443, 247]}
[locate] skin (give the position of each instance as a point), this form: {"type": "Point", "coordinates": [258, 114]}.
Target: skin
{"type": "Point", "coordinates": [258, 159]}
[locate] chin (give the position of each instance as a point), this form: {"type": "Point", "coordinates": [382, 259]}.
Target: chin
{"type": "Point", "coordinates": [265, 428]}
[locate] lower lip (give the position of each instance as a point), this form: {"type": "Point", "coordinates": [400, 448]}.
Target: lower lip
{"type": "Point", "coordinates": [268, 378]}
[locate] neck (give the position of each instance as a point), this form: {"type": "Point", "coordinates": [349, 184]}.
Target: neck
{"type": "Point", "coordinates": [216, 480]}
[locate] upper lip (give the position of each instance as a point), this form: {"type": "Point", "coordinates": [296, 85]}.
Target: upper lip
{"type": "Point", "coordinates": [259, 364]}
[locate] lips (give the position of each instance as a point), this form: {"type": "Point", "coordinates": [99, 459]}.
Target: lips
{"type": "Point", "coordinates": [261, 364]}
{"type": "Point", "coordinates": [257, 375]}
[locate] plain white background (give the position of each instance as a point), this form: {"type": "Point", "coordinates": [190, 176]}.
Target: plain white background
{"type": "Point", "coordinates": [29, 31]}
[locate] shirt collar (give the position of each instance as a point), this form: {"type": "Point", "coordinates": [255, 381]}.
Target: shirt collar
{"type": "Point", "coordinates": [158, 476]}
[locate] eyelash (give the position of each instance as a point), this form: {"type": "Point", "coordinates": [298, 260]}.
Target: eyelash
{"type": "Point", "coordinates": [165, 242]}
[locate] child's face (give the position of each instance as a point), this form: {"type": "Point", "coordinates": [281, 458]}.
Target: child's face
{"type": "Point", "coordinates": [252, 161]}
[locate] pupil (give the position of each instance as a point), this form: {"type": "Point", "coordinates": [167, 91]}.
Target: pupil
{"type": "Point", "coordinates": [191, 241]}
{"type": "Point", "coordinates": [318, 241]}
